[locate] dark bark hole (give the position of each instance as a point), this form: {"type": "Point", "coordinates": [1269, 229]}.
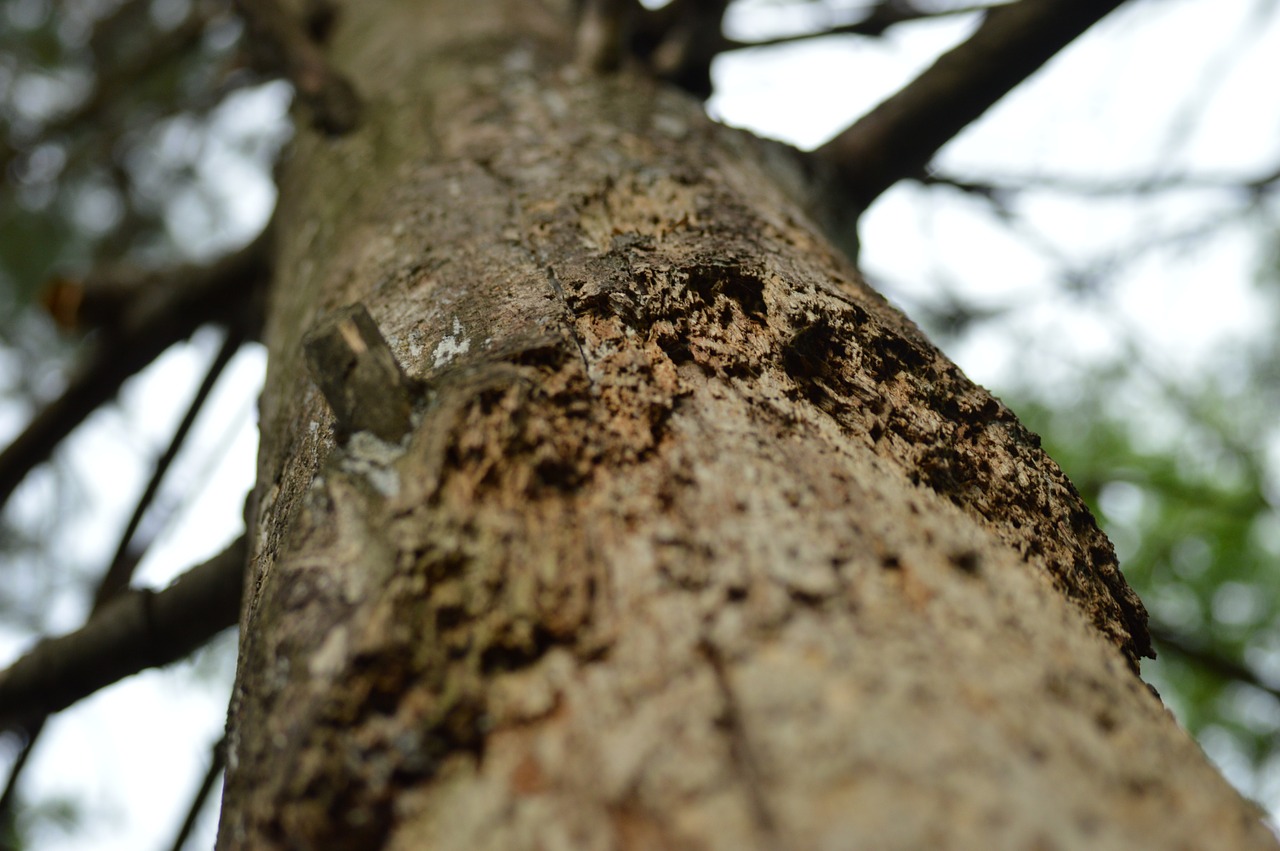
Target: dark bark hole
{"type": "Point", "coordinates": [810, 353]}
{"type": "Point", "coordinates": [896, 355]}
{"type": "Point", "coordinates": [962, 409]}
{"type": "Point", "coordinates": [558, 474]}
{"type": "Point", "coordinates": [386, 675]}
{"type": "Point", "coordinates": [461, 729]}
{"type": "Point", "coordinates": [383, 702]}
{"type": "Point", "coordinates": [676, 348]}
{"type": "Point", "coordinates": [735, 284]}
{"type": "Point", "coordinates": [510, 657]}
{"type": "Point", "coordinates": [966, 561]}
{"type": "Point", "coordinates": [449, 616]}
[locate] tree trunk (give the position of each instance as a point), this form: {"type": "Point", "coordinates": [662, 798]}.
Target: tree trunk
{"type": "Point", "coordinates": [694, 543]}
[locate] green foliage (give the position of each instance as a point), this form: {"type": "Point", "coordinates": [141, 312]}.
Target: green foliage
{"type": "Point", "coordinates": [1185, 493]}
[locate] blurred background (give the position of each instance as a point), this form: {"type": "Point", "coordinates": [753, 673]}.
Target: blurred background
{"type": "Point", "coordinates": [1102, 250]}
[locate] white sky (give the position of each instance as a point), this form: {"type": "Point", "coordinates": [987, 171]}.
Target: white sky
{"type": "Point", "coordinates": [136, 752]}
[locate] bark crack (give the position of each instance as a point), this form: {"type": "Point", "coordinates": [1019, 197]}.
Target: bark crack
{"type": "Point", "coordinates": [577, 339]}
{"type": "Point", "coordinates": [740, 750]}
{"type": "Point", "coordinates": [538, 255]}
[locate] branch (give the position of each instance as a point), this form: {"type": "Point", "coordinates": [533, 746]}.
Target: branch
{"type": "Point", "coordinates": [9, 798]}
{"type": "Point", "coordinates": [120, 571]}
{"type": "Point", "coordinates": [165, 308]}
{"type": "Point", "coordinates": [217, 761]}
{"type": "Point", "coordinates": [691, 40]}
{"type": "Point", "coordinates": [138, 629]}
{"type": "Point", "coordinates": [1216, 663]}
{"type": "Point", "coordinates": [676, 42]}
{"type": "Point", "coordinates": [601, 30]}
{"type": "Point", "coordinates": [897, 138]}
{"type": "Point", "coordinates": [115, 579]}
{"type": "Point", "coordinates": [124, 75]}
{"type": "Point", "coordinates": [881, 18]}
{"type": "Point", "coordinates": [1255, 187]}
{"type": "Point", "coordinates": [282, 43]}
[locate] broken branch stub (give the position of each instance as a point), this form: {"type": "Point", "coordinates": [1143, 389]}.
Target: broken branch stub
{"type": "Point", "coordinates": [359, 376]}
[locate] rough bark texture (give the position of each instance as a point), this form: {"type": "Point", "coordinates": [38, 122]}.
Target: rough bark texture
{"type": "Point", "coordinates": [696, 543]}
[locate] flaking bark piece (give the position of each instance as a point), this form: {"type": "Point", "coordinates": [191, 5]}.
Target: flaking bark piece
{"type": "Point", "coordinates": [359, 376]}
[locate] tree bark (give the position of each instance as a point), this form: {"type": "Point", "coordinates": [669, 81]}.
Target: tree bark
{"type": "Point", "coordinates": [695, 542]}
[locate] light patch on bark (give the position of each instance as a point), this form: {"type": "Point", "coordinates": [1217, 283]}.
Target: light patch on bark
{"type": "Point", "coordinates": [453, 345]}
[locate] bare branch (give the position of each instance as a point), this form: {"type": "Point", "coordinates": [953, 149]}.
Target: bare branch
{"type": "Point", "coordinates": [882, 17]}
{"type": "Point", "coordinates": [137, 630]}
{"type": "Point", "coordinates": [693, 37]}
{"type": "Point", "coordinates": [163, 309]}
{"type": "Point", "coordinates": [897, 138]}
{"type": "Point", "coordinates": [217, 760]}
{"type": "Point", "coordinates": [1253, 186]}
{"type": "Point", "coordinates": [282, 43]}
{"type": "Point", "coordinates": [123, 75]}
{"type": "Point", "coordinates": [602, 31]}
{"type": "Point", "coordinates": [1212, 661]}
{"type": "Point", "coordinates": [120, 571]}
{"type": "Point", "coordinates": [30, 732]}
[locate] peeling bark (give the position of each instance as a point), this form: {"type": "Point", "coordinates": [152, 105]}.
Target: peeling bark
{"type": "Point", "coordinates": [695, 543]}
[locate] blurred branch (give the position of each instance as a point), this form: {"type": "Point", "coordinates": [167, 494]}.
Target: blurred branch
{"type": "Point", "coordinates": [1210, 660]}
{"type": "Point", "coordinates": [112, 79]}
{"type": "Point", "coordinates": [689, 42]}
{"type": "Point", "coordinates": [601, 30]}
{"type": "Point", "coordinates": [163, 308]}
{"type": "Point", "coordinates": [8, 798]}
{"type": "Point", "coordinates": [282, 43]}
{"type": "Point", "coordinates": [1087, 276]}
{"type": "Point", "coordinates": [193, 609]}
{"type": "Point", "coordinates": [217, 761]}
{"type": "Point", "coordinates": [897, 138]}
{"type": "Point", "coordinates": [116, 578]}
{"type": "Point", "coordinates": [676, 41]}
{"type": "Point", "coordinates": [883, 16]}
{"type": "Point", "coordinates": [120, 571]}
{"type": "Point", "coordinates": [138, 629]}
{"type": "Point", "coordinates": [1001, 187]}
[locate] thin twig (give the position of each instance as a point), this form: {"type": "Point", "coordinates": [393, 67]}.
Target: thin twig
{"type": "Point", "coordinates": [169, 308]}
{"type": "Point", "coordinates": [217, 760]}
{"type": "Point", "coordinates": [897, 138]}
{"type": "Point", "coordinates": [1095, 187]}
{"type": "Point", "coordinates": [8, 800]}
{"type": "Point", "coordinates": [877, 22]}
{"type": "Point", "coordinates": [120, 571]}
{"type": "Point", "coordinates": [1213, 661]}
